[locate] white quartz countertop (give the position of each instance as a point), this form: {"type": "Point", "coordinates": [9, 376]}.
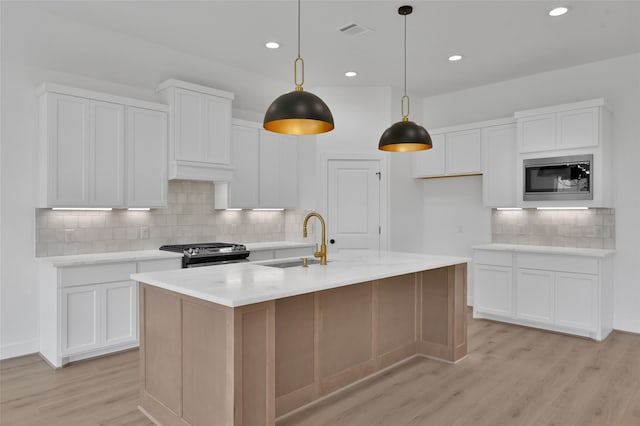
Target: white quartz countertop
{"type": "Point", "coordinates": [239, 284]}
{"type": "Point", "coordinates": [572, 251]}
{"type": "Point", "coordinates": [274, 245]}
{"type": "Point", "coordinates": [118, 256]}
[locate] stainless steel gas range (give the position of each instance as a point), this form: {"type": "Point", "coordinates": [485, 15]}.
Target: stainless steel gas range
{"type": "Point", "coordinates": [206, 254]}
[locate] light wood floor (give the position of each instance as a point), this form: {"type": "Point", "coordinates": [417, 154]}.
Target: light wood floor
{"type": "Point", "coordinates": [513, 376]}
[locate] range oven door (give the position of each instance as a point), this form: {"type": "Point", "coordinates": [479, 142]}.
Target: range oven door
{"type": "Point", "coordinates": [203, 262]}
{"type": "Point", "coordinates": [558, 178]}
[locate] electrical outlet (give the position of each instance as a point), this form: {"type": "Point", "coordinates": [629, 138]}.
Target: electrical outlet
{"type": "Point", "coordinates": [143, 233]}
{"type": "Point", "coordinates": [69, 235]}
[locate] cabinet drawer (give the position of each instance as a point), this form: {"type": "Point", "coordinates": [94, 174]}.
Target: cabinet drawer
{"type": "Point", "coordinates": [92, 274]}
{"type": "Point", "coordinates": [550, 262]}
{"type": "Point", "coordinates": [159, 265]}
{"type": "Point", "coordinates": [498, 258]}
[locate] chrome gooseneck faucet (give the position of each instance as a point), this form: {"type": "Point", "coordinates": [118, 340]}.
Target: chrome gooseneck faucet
{"type": "Point", "coordinates": [322, 253]}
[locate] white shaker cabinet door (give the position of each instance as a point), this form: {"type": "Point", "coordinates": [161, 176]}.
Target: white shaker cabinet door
{"type": "Point", "coordinates": [120, 312]}
{"type": "Point", "coordinates": [499, 166]}
{"type": "Point", "coordinates": [188, 129]}
{"type": "Point", "coordinates": [493, 290]}
{"type": "Point", "coordinates": [106, 155]}
{"type": "Point", "coordinates": [245, 149]}
{"type": "Point", "coordinates": [534, 295]}
{"type": "Point", "coordinates": [217, 129]}
{"type": "Point", "coordinates": [576, 296]}
{"type": "Point", "coordinates": [80, 319]}
{"type": "Point", "coordinates": [537, 132]}
{"type": "Point", "coordinates": [288, 171]}
{"type": "Point", "coordinates": [432, 161]}
{"type": "Point", "coordinates": [67, 140]}
{"type": "Point", "coordinates": [278, 170]}
{"type": "Point", "coordinates": [462, 156]}
{"type": "Point", "coordinates": [578, 128]}
{"type": "Point", "coordinates": [147, 158]}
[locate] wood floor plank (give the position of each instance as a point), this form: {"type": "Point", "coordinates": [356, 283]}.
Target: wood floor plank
{"type": "Point", "coordinates": [513, 376]}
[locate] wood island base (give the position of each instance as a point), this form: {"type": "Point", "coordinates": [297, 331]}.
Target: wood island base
{"type": "Point", "coordinates": [207, 364]}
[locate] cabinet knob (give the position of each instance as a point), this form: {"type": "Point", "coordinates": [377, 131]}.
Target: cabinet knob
{"type": "Point", "coordinates": [332, 241]}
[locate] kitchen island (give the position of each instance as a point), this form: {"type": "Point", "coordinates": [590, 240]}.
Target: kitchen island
{"type": "Point", "coordinates": [242, 344]}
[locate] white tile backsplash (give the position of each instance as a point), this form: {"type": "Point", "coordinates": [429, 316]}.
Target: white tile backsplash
{"type": "Point", "coordinates": [593, 228]}
{"type": "Point", "coordinates": [189, 217]}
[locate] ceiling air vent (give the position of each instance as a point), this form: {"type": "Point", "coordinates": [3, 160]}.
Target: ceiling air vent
{"type": "Point", "coordinates": [353, 29]}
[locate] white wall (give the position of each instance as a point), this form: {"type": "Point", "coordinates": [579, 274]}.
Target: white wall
{"type": "Point", "coordinates": [454, 219]}
{"type": "Point", "coordinates": [407, 218]}
{"type": "Point", "coordinates": [618, 81]}
{"type": "Point", "coordinates": [361, 116]}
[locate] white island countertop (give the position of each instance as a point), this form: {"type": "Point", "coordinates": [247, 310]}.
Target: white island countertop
{"type": "Point", "coordinates": [240, 284]}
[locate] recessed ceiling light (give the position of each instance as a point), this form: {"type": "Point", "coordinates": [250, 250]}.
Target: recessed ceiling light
{"type": "Point", "coordinates": [272, 45]}
{"type": "Point", "coordinates": [350, 73]}
{"type": "Point", "coordinates": [558, 11]}
{"type": "Point", "coordinates": [454, 58]}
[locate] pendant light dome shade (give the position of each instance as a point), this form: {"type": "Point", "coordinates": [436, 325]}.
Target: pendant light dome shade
{"type": "Point", "coordinates": [298, 113]}
{"type": "Point", "coordinates": [405, 136]}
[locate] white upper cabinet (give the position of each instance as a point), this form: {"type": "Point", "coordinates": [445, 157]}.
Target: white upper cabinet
{"type": "Point", "coordinates": [82, 149]}
{"type": "Point", "coordinates": [537, 133]}
{"type": "Point", "coordinates": [106, 154]}
{"type": "Point", "coordinates": [245, 151]}
{"type": "Point", "coordinates": [147, 158]}
{"type": "Point", "coordinates": [560, 127]}
{"type": "Point", "coordinates": [432, 161]}
{"type": "Point", "coordinates": [266, 169]}
{"type": "Point", "coordinates": [85, 143]}
{"type": "Point", "coordinates": [499, 166]}
{"type": "Point", "coordinates": [462, 152]}
{"type": "Point", "coordinates": [454, 153]}
{"type": "Point", "coordinates": [278, 170]}
{"type": "Point", "coordinates": [581, 128]}
{"type": "Point", "coordinates": [199, 131]}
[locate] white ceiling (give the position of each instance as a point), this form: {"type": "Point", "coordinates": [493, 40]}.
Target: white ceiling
{"type": "Point", "coordinates": [500, 40]}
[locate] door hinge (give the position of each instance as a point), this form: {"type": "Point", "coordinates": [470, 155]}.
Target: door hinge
{"type": "Point", "coordinates": [379, 229]}
{"type": "Point", "coordinates": [379, 174]}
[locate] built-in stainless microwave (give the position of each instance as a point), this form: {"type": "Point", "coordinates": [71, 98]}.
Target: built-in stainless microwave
{"type": "Point", "coordinates": [558, 178]}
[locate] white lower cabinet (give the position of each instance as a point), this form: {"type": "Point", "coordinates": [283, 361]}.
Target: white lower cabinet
{"type": "Point", "coordinates": [534, 295]}
{"type": "Point", "coordinates": [90, 310]}
{"type": "Point", "coordinates": [80, 308]}
{"type": "Point", "coordinates": [494, 295]}
{"type": "Point", "coordinates": [120, 304]}
{"type": "Point", "coordinates": [576, 298]}
{"type": "Point", "coordinates": [566, 293]}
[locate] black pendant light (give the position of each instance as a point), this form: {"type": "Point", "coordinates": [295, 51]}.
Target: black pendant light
{"type": "Point", "coordinates": [405, 135]}
{"type": "Point", "coordinates": [298, 112]}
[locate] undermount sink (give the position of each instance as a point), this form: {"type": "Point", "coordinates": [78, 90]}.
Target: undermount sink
{"type": "Point", "coordinates": [291, 263]}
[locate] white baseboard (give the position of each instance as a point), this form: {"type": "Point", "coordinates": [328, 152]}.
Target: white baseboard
{"type": "Point", "coordinates": [632, 326]}
{"type": "Point", "coordinates": [13, 350]}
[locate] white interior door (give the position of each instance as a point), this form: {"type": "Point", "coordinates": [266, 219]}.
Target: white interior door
{"type": "Point", "coordinates": [353, 204]}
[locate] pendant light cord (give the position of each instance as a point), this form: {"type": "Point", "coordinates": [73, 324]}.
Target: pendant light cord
{"type": "Point", "coordinates": [405, 116]}
{"type": "Point", "coordinates": [405, 55]}
{"type": "Point", "coordinates": [298, 59]}
{"type": "Point", "coordinates": [298, 28]}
